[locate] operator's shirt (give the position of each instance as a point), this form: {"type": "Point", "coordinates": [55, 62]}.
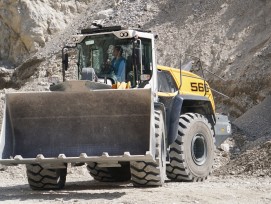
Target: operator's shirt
{"type": "Point", "coordinates": [119, 68]}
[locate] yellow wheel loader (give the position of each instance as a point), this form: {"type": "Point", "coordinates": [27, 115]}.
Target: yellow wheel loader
{"type": "Point", "coordinates": [154, 123]}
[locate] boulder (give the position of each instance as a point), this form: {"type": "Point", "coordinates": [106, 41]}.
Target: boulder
{"type": "Point", "coordinates": [27, 25]}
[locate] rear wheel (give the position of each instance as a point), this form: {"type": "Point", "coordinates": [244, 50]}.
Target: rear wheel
{"type": "Point", "coordinates": [152, 173]}
{"type": "Point", "coordinates": [45, 179]}
{"type": "Point", "coordinates": [192, 153]}
{"type": "Point", "coordinates": [110, 174]}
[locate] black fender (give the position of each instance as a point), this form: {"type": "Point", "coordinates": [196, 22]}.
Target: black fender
{"type": "Point", "coordinates": [173, 118]}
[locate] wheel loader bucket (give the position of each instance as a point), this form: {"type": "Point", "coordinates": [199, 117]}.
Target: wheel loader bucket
{"type": "Point", "coordinates": [89, 123]}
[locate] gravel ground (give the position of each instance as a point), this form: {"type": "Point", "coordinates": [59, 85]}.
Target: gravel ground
{"type": "Point", "coordinates": [81, 188]}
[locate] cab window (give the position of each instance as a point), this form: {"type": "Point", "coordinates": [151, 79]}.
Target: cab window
{"type": "Point", "coordinates": [166, 82]}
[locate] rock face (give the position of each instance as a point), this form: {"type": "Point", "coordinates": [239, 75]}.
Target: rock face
{"type": "Point", "coordinates": [26, 25]}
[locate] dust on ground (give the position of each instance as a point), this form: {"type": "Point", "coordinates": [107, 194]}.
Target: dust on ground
{"type": "Point", "coordinates": [81, 188]}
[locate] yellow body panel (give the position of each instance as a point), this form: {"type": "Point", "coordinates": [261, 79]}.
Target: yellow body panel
{"type": "Point", "coordinates": [191, 84]}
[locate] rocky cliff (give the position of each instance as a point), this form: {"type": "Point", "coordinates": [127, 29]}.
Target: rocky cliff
{"type": "Point", "coordinates": [27, 25]}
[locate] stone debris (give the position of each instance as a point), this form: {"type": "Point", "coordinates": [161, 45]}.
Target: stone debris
{"type": "Point", "coordinates": [225, 147]}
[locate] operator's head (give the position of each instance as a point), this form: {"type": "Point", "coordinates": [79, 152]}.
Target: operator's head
{"type": "Point", "coordinates": [117, 52]}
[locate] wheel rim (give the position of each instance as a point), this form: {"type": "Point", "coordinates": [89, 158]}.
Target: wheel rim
{"type": "Point", "coordinates": [198, 149]}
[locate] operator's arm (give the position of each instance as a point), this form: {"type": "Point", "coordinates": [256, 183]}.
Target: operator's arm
{"type": "Point", "coordinates": [121, 71]}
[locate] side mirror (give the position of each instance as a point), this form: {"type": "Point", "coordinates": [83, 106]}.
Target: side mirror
{"type": "Point", "coordinates": [65, 61]}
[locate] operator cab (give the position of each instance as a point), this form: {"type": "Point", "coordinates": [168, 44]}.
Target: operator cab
{"type": "Point", "coordinates": [95, 54]}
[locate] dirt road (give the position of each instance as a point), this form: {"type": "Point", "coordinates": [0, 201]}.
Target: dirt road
{"type": "Point", "coordinates": [81, 188]}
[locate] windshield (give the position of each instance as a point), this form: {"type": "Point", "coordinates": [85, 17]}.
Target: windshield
{"type": "Point", "coordinates": [117, 59]}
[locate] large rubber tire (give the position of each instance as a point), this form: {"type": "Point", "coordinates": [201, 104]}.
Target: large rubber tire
{"type": "Point", "coordinates": [45, 179]}
{"type": "Point", "coordinates": [192, 153]}
{"type": "Point", "coordinates": [152, 173]}
{"type": "Point", "coordinates": [110, 174]}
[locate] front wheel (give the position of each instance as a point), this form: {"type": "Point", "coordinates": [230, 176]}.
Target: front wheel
{"type": "Point", "coordinates": [152, 173]}
{"type": "Point", "coordinates": [40, 178]}
{"type": "Point", "coordinates": [192, 153]}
